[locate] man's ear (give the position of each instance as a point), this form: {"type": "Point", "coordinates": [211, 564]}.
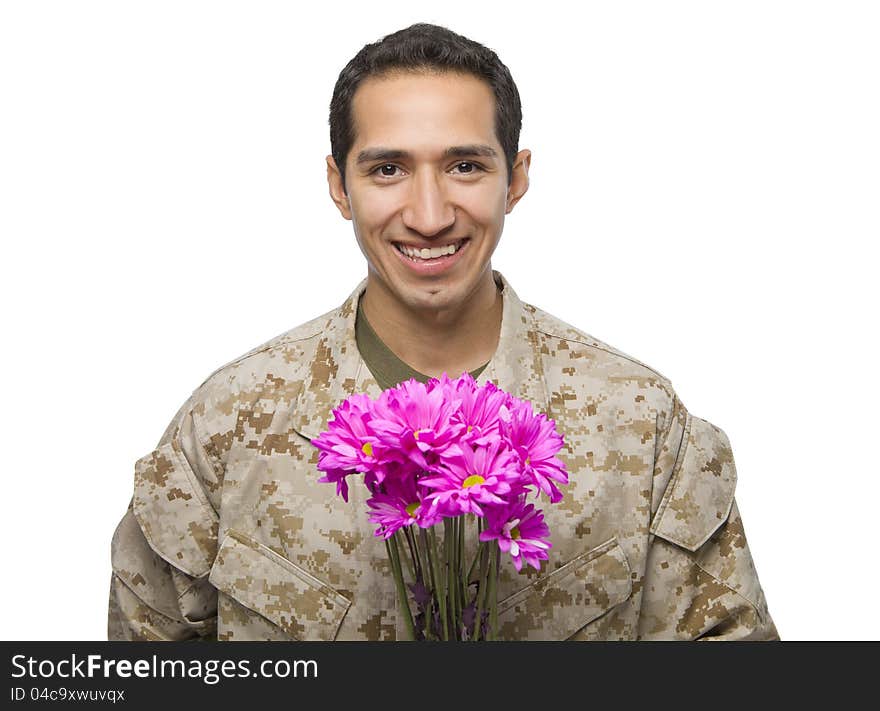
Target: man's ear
{"type": "Point", "coordinates": [337, 189]}
{"type": "Point", "coordinates": [519, 183]}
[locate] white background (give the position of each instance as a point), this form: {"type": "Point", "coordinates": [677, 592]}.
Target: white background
{"type": "Point", "coordinates": [704, 196]}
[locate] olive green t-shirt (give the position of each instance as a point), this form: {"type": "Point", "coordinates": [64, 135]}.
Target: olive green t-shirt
{"type": "Point", "coordinates": [387, 368]}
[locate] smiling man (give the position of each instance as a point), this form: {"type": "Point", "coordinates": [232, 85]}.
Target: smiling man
{"type": "Point", "coordinates": [229, 534]}
{"type": "Point", "coordinates": [427, 185]}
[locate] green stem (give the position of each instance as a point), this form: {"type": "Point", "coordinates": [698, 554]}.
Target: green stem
{"type": "Point", "coordinates": [430, 582]}
{"type": "Point", "coordinates": [449, 566]}
{"type": "Point", "coordinates": [409, 564]}
{"type": "Point", "coordinates": [424, 573]}
{"type": "Point", "coordinates": [477, 554]}
{"type": "Point", "coordinates": [493, 594]}
{"type": "Point", "coordinates": [422, 556]}
{"type": "Point", "coordinates": [414, 553]}
{"type": "Point", "coordinates": [455, 582]}
{"type": "Point", "coordinates": [427, 553]}
{"type": "Point", "coordinates": [394, 557]}
{"type": "Point", "coordinates": [438, 592]}
{"type": "Point", "coordinates": [462, 583]}
{"type": "Point", "coordinates": [481, 592]}
{"type": "Point", "coordinates": [461, 531]}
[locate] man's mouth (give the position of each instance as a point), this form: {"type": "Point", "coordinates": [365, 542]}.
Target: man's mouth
{"type": "Point", "coordinates": [426, 254]}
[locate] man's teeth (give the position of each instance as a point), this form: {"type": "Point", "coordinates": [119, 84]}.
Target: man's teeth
{"type": "Point", "coordinates": [426, 253]}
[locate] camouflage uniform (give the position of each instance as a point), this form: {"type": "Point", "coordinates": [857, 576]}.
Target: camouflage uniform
{"type": "Point", "coordinates": [230, 536]}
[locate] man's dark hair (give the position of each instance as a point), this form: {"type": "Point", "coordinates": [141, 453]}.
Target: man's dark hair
{"type": "Point", "coordinates": [425, 48]}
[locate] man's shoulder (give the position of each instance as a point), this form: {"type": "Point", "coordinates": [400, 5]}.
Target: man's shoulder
{"type": "Point", "coordinates": [284, 358]}
{"type": "Point", "coordinates": [575, 346]}
{"type": "Point", "coordinates": [580, 369]}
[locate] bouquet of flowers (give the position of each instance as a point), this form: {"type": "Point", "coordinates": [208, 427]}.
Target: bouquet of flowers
{"type": "Point", "coordinates": [450, 452]}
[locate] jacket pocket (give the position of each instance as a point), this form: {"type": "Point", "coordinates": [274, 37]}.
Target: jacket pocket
{"type": "Point", "coordinates": [699, 496]}
{"type": "Point", "coordinates": [560, 604]}
{"type": "Point", "coordinates": [276, 588]}
{"type": "Point", "coordinates": [173, 511]}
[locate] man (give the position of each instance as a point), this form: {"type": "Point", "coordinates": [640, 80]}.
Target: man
{"type": "Point", "coordinates": [230, 536]}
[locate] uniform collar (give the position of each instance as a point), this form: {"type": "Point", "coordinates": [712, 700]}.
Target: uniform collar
{"type": "Point", "coordinates": [338, 371]}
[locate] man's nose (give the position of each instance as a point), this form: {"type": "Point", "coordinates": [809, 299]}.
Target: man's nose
{"type": "Point", "coordinates": [428, 210]}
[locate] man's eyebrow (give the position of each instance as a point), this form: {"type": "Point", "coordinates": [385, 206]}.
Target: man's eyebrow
{"type": "Point", "coordinates": [473, 149]}
{"type": "Point", "coordinates": [369, 155]}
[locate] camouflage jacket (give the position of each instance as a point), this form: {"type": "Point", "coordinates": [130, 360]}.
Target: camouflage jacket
{"type": "Point", "coordinates": [230, 536]}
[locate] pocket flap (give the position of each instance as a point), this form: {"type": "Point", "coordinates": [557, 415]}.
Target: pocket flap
{"type": "Point", "coordinates": [700, 494]}
{"type": "Point", "coordinates": [173, 511]}
{"type": "Point", "coordinates": [279, 590]}
{"type": "Point", "coordinates": [556, 606]}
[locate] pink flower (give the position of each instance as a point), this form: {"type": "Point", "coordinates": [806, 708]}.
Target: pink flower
{"type": "Point", "coordinates": [348, 442]}
{"type": "Point", "coordinates": [535, 439]}
{"type": "Point", "coordinates": [392, 473]}
{"type": "Point", "coordinates": [473, 477]}
{"type": "Point", "coordinates": [479, 410]}
{"type": "Point", "coordinates": [520, 530]}
{"type": "Point", "coordinates": [400, 504]}
{"type": "Point", "coordinates": [415, 422]}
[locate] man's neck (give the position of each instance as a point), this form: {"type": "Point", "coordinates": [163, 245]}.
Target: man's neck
{"type": "Point", "coordinates": [437, 341]}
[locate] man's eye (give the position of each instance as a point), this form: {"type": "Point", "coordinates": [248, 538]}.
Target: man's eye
{"type": "Point", "coordinates": [473, 167]}
{"type": "Point", "coordinates": [381, 170]}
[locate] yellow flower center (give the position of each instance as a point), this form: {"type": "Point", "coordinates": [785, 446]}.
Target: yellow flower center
{"type": "Point", "coordinates": [470, 427]}
{"type": "Point", "coordinates": [514, 533]}
{"type": "Point", "coordinates": [528, 461]}
{"type": "Point", "coordinates": [367, 448]}
{"type": "Point", "coordinates": [412, 508]}
{"type": "Point", "coordinates": [472, 480]}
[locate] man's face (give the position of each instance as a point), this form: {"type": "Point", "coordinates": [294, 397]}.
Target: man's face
{"type": "Point", "coordinates": [426, 172]}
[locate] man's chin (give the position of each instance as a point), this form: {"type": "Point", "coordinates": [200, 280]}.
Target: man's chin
{"type": "Point", "coordinates": [430, 296]}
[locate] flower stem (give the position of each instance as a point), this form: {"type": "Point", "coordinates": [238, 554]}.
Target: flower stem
{"type": "Point", "coordinates": [481, 591]}
{"type": "Point", "coordinates": [394, 556]}
{"type": "Point", "coordinates": [439, 586]}
{"type": "Point", "coordinates": [459, 562]}
{"type": "Point", "coordinates": [414, 552]}
{"type": "Point", "coordinates": [402, 554]}
{"type": "Point", "coordinates": [477, 554]}
{"type": "Point", "coordinates": [430, 583]}
{"type": "Point", "coordinates": [456, 579]}
{"type": "Point", "coordinates": [422, 554]}
{"type": "Point", "coordinates": [449, 563]}
{"type": "Point", "coordinates": [493, 594]}
{"type": "Point", "coordinates": [459, 593]}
